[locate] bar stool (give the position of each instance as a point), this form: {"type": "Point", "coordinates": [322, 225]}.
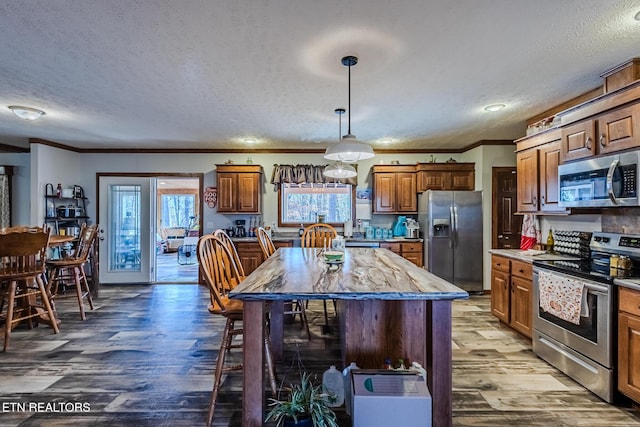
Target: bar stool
{"type": "Point", "coordinates": [297, 307]}
{"type": "Point", "coordinates": [69, 270]}
{"type": "Point", "coordinates": [22, 266]}
{"type": "Point", "coordinates": [220, 272]}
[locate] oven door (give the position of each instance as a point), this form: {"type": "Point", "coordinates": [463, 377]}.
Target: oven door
{"type": "Point", "coordinates": [592, 337]}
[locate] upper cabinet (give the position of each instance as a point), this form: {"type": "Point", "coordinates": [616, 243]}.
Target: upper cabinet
{"type": "Point", "coordinates": [606, 133]}
{"type": "Point", "coordinates": [446, 176]}
{"type": "Point", "coordinates": [239, 188]}
{"type": "Point", "coordinates": [394, 189]}
{"type": "Point", "coordinates": [537, 161]}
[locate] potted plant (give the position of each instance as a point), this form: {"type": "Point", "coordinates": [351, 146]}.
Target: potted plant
{"type": "Point", "coordinates": [306, 406]}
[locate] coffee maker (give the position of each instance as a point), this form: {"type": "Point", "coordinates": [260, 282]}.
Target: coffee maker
{"type": "Point", "coordinates": [240, 231]}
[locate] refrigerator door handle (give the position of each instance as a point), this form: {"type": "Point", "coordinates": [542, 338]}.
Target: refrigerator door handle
{"type": "Point", "coordinates": [455, 226]}
{"type": "Point", "coordinates": [452, 232]}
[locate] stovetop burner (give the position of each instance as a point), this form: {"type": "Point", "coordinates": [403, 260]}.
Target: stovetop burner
{"type": "Point", "coordinates": [586, 270]}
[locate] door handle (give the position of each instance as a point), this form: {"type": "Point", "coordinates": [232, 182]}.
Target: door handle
{"type": "Point", "coordinates": [588, 143]}
{"type": "Point", "coordinates": [612, 168]}
{"type": "Point", "coordinates": [603, 141]}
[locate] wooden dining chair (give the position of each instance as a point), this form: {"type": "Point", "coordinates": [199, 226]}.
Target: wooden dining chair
{"type": "Point", "coordinates": [224, 237]}
{"type": "Point", "coordinates": [297, 306]}
{"type": "Point", "coordinates": [22, 268]}
{"type": "Point", "coordinates": [221, 273]}
{"type": "Point", "coordinates": [69, 270]}
{"type": "Point", "coordinates": [318, 236]}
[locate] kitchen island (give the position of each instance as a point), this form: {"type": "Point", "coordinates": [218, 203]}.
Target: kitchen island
{"type": "Point", "coordinates": [387, 306]}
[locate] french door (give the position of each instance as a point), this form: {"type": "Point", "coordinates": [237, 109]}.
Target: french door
{"type": "Point", "coordinates": [127, 216]}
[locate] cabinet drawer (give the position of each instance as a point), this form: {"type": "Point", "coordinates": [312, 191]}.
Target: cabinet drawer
{"type": "Point", "coordinates": [521, 269]}
{"type": "Point", "coordinates": [411, 247]}
{"type": "Point", "coordinates": [500, 263]}
{"type": "Point", "coordinates": [393, 247]}
{"type": "Point", "coordinates": [629, 301]}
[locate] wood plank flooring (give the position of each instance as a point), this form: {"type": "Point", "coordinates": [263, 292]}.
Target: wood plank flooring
{"type": "Point", "coordinates": [145, 357]}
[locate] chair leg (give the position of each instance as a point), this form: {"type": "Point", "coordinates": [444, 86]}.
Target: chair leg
{"type": "Point", "coordinates": [83, 280]}
{"type": "Point", "coordinates": [271, 370]}
{"type": "Point", "coordinates": [45, 300]}
{"type": "Point", "coordinates": [11, 289]}
{"type": "Point", "coordinates": [303, 317]}
{"type": "Point", "coordinates": [76, 279]}
{"type": "Point", "coordinates": [224, 347]}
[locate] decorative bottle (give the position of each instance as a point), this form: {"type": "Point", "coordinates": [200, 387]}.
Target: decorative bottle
{"type": "Point", "coordinates": [550, 241]}
{"type": "Point", "coordinates": [301, 230]}
{"type": "Point", "coordinates": [59, 191]}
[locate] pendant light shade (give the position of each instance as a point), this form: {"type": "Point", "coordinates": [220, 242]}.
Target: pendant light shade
{"type": "Point", "coordinates": [340, 170]}
{"type": "Point", "coordinates": [349, 149]}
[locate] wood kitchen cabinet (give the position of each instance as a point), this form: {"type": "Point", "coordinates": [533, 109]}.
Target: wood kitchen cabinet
{"type": "Point", "coordinates": [629, 343]}
{"type": "Point", "coordinates": [606, 133]}
{"type": "Point", "coordinates": [411, 251]}
{"type": "Point", "coordinates": [394, 189]}
{"type": "Point", "coordinates": [239, 188]}
{"type": "Point", "coordinates": [250, 253]}
{"type": "Point", "coordinates": [511, 284]}
{"type": "Point", "coordinates": [445, 176]}
{"type": "Point", "coordinates": [537, 163]}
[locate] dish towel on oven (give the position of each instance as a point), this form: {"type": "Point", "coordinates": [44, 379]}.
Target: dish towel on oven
{"type": "Point", "coordinates": [563, 297]}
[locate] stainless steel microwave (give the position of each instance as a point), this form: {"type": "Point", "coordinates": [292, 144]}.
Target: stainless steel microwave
{"type": "Point", "coordinates": [601, 181]}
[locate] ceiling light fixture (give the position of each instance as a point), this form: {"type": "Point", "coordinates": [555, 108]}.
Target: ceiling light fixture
{"type": "Point", "coordinates": [494, 107]}
{"type": "Point", "coordinates": [349, 149]}
{"type": "Point", "coordinates": [637, 17]}
{"type": "Point", "coordinates": [26, 113]}
{"type": "Point", "coordinates": [340, 169]}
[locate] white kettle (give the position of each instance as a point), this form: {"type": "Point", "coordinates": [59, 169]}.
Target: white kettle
{"type": "Point", "coordinates": [337, 244]}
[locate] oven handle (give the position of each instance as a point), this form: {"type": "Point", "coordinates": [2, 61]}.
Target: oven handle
{"type": "Point", "coordinates": [612, 168]}
{"type": "Point", "coordinates": [591, 286]}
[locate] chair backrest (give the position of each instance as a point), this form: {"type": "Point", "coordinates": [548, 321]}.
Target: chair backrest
{"type": "Point", "coordinates": [224, 238]}
{"type": "Point", "coordinates": [318, 236]}
{"type": "Point", "coordinates": [218, 269]}
{"type": "Point", "coordinates": [265, 242]}
{"type": "Point", "coordinates": [23, 252]}
{"type": "Point", "coordinates": [86, 239]}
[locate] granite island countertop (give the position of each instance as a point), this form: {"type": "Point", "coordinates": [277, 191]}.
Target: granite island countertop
{"type": "Point", "coordinates": [366, 273]}
{"type": "Point", "coordinates": [521, 255]}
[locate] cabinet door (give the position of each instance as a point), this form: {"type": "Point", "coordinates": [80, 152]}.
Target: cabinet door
{"type": "Point", "coordinates": [628, 355]}
{"type": "Point", "coordinates": [406, 192]}
{"type": "Point", "coordinates": [527, 170]}
{"type": "Point", "coordinates": [385, 192]}
{"type": "Point", "coordinates": [250, 255]}
{"type": "Point", "coordinates": [462, 180]}
{"type": "Point", "coordinates": [500, 295]}
{"type": "Point", "coordinates": [248, 196]}
{"type": "Point", "coordinates": [578, 141]}
{"type": "Point", "coordinates": [414, 257]}
{"type": "Point", "coordinates": [226, 188]}
{"type": "Point", "coordinates": [619, 129]}
{"type": "Point", "coordinates": [521, 318]}
{"type": "Point", "coordinates": [432, 180]}
{"type": "Point", "coordinates": [549, 156]}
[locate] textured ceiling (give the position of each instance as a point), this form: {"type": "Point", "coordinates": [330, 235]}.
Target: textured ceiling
{"type": "Point", "coordinates": [206, 74]}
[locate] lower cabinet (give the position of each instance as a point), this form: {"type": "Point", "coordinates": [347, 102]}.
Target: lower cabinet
{"type": "Point", "coordinates": [411, 251]}
{"type": "Point", "coordinates": [251, 256]}
{"type": "Point", "coordinates": [511, 282]}
{"type": "Point", "coordinates": [629, 343]}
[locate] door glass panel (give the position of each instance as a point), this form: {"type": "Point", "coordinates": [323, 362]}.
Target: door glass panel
{"type": "Point", "coordinates": [125, 226]}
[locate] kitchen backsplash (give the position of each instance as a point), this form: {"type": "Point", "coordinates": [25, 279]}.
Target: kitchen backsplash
{"type": "Point", "coordinates": [621, 220]}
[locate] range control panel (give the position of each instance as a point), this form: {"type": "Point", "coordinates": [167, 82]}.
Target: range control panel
{"type": "Point", "coordinates": [623, 244]}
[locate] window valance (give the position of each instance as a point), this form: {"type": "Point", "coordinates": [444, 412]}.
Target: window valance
{"type": "Point", "coordinates": [305, 174]}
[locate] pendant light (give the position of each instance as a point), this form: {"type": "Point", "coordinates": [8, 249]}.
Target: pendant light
{"type": "Point", "coordinates": [349, 149]}
{"type": "Point", "coordinates": [340, 169]}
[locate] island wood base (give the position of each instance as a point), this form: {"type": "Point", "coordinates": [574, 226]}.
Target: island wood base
{"type": "Point", "coordinates": [419, 330]}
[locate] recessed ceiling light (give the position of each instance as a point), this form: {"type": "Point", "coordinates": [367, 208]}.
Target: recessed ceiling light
{"type": "Point", "coordinates": [385, 141]}
{"type": "Point", "coordinates": [494, 107]}
{"type": "Point", "coordinates": [249, 140]}
{"type": "Point", "coordinates": [26, 113]}
{"type": "Point", "coordinates": [637, 17]}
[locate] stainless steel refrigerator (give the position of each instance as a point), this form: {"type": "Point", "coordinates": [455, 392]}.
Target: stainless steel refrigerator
{"type": "Point", "coordinates": [451, 222]}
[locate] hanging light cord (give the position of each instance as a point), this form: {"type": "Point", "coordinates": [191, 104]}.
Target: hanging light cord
{"type": "Point", "coordinates": [349, 106]}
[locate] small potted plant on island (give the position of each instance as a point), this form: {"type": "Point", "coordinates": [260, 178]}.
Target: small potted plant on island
{"type": "Point", "coordinates": [306, 406]}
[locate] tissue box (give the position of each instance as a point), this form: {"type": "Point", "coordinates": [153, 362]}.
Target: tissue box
{"type": "Point", "coordinates": [390, 398]}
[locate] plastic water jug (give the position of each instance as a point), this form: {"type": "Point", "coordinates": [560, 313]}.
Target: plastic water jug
{"type": "Point", "coordinates": [333, 385]}
{"type": "Point", "coordinates": [346, 377]}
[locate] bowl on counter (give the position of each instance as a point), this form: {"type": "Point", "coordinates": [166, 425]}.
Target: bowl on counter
{"type": "Point", "coordinates": [333, 256]}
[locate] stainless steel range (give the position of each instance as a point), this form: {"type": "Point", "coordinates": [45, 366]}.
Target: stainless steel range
{"type": "Point", "coordinates": [585, 351]}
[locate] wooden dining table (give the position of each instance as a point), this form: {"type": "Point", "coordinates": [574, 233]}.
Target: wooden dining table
{"type": "Point", "coordinates": [386, 304]}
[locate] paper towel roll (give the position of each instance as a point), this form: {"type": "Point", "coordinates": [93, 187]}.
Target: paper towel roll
{"type": "Point", "coordinates": [348, 228]}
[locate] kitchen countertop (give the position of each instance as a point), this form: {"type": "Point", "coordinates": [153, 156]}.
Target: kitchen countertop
{"type": "Point", "coordinates": [289, 237]}
{"type": "Point", "coordinates": [523, 256]}
{"type": "Point", "coordinates": [628, 283]}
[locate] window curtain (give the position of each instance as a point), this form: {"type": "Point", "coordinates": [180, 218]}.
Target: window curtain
{"type": "Point", "coordinates": [305, 174]}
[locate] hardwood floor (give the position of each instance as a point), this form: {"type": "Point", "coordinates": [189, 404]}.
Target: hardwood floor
{"type": "Point", "coordinates": [145, 356]}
